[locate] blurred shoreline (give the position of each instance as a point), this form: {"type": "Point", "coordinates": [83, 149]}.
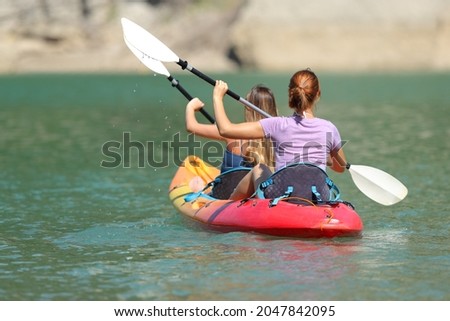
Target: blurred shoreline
{"type": "Point", "coordinates": [85, 36]}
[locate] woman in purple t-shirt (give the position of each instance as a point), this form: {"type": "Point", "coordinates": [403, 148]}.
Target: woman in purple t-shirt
{"type": "Point", "coordinates": [298, 138]}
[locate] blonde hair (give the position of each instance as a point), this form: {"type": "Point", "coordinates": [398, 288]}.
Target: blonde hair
{"type": "Point", "coordinates": [304, 90]}
{"type": "Point", "coordinates": [260, 150]}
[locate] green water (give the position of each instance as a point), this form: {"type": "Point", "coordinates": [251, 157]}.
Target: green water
{"type": "Point", "coordinates": [73, 230]}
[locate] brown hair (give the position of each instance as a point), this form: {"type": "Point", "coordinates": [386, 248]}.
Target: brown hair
{"type": "Point", "coordinates": [304, 90]}
{"type": "Point", "coordinates": [260, 150]}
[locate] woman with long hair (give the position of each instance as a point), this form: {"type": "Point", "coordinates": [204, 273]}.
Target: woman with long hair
{"type": "Point", "coordinates": [239, 152]}
{"type": "Point", "coordinates": [301, 137]}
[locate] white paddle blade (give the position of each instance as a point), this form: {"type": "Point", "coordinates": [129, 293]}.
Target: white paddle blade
{"type": "Point", "coordinates": [152, 64]}
{"type": "Point", "coordinates": [145, 42]}
{"type": "Point", "coordinates": [378, 185]}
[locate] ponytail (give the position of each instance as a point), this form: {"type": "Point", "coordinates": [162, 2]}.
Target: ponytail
{"type": "Point", "coordinates": [304, 90]}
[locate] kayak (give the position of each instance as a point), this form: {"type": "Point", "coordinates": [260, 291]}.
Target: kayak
{"type": "Point", "coordinates": [256, 215]}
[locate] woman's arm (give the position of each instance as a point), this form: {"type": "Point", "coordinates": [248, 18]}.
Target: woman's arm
{"type": "Point", "coordinates": [193, 126]}
{"type": "Point", "coordinates": [338, 161]}
{"type": "Point", "coordinates": [247, 130]}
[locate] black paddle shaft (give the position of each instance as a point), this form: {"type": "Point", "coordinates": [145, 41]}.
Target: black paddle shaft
{"type": "Point", "coordinates": [185, 65]}
{"type": "Point", "coordinates": [175, 83]}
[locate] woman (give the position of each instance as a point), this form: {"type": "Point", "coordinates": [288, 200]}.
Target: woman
{"type": "Point", "coordinates": [298, 138]}
{"type": "Point", "coordinates": [238, 152]}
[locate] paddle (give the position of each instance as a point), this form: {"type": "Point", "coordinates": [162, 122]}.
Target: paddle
{"type": "Point", "coordinates": [145, 42]}
{"type": "Point", "coordinates": [159, 68]}
{"type": "Point", "coordinates": [379, 186]}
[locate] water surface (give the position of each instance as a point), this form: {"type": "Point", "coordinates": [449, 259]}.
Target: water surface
{"type": "Point", "coordinates": [72, 230]}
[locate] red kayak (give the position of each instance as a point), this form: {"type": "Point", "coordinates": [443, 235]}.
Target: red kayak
{"type": "Point", "coordinates": [336, 219]}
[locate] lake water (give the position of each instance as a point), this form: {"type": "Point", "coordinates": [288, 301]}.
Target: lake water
{"type": "Point", "coordinates": [71, 229]}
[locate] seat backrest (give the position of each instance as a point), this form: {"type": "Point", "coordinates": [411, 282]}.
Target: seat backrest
{"type": "Point", "coordinates": [225, 183]}
{"type": "Point", "coordinates": [303, 180]}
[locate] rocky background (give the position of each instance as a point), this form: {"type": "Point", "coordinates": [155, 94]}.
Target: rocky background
{"type": "Point", "coordinates": [228, 35]}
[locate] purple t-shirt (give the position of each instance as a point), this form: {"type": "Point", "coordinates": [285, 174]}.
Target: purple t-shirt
{"type": "Point", "coordinates": [298, 139]}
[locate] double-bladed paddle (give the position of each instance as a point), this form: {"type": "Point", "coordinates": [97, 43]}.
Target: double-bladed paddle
{"type": "Point", "coordinates": [376, 184]}
{"type": "Point", "coordinates": [144, 41]}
